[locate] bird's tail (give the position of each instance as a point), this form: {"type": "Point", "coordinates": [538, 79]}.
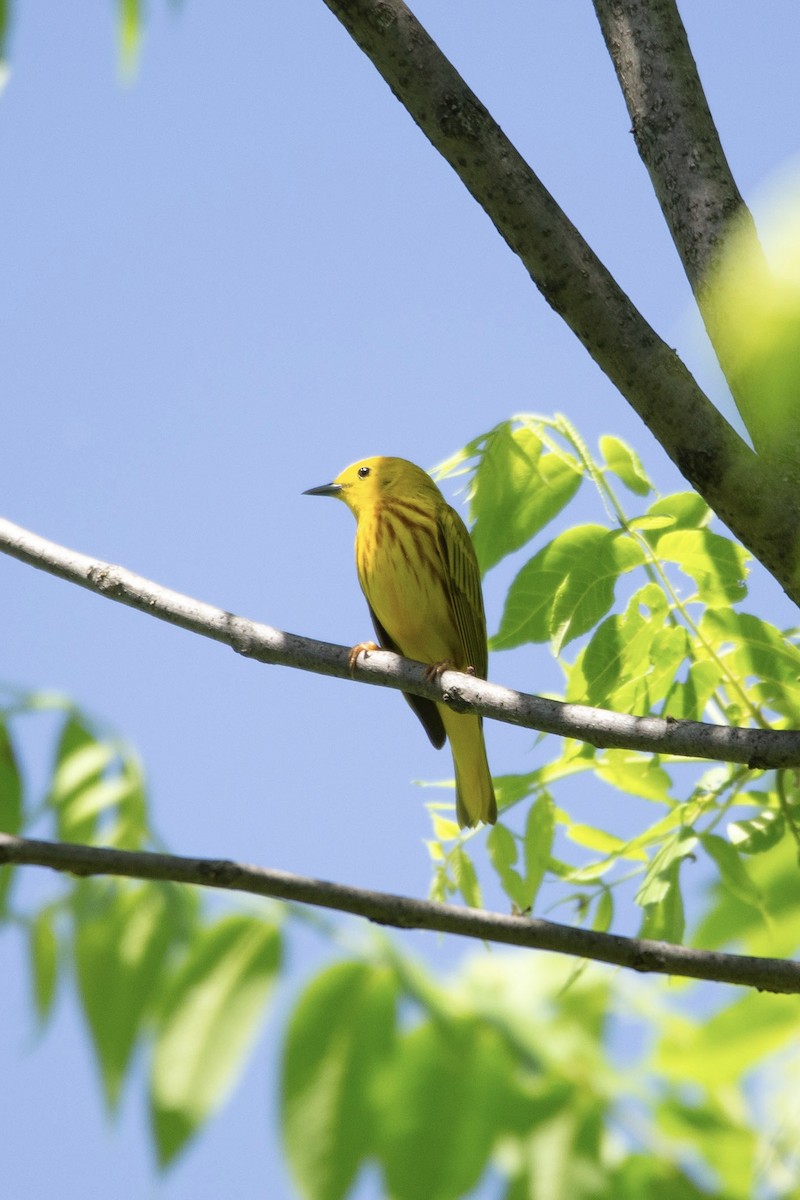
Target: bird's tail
{"type": "Point", "coordinates": [475, 800]}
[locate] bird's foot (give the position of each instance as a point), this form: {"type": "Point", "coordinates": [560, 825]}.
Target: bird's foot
{"type": "Point", "coordinates": [361, 648]}
{"type": "Point", "coordinates": [434, 672]}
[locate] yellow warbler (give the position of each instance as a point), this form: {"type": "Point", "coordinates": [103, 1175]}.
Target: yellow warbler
{"type": "Point", "coordinates": [417, 568]}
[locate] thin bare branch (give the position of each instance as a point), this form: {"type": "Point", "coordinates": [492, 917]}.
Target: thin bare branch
{"type": "Point", "coordinates": [760, 506]}
{"type": "Point", "coordinates": [759, 748]}
{"type": "Point", "coordinates": [766, 974]}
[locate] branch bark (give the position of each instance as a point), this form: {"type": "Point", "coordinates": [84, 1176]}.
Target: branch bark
{"type": "Point", "coordinates": [759, 505]}
{"type": "Point", "coordinates": [766, 974]}
{"type": "Point", "coordinates": [758, 748]}
{"type": "Point", "coordinates": [678, 143]}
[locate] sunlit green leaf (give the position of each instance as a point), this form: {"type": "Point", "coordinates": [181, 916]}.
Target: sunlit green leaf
{"type": "Point", "coordinates": [717, 565]}
{"type": "Point", "coordinates": [465, 876]}
{"type": "Point", "coordinates": [603, 842]}
{"type": "Point", "coordinates": [448, 1096]}
{"type": "Point", "coordinates": [754, 835]}
{"type": "Point", "coordinates": [731, 868]}
{"type": "Point", "coordinates": [10, 785]}
{"type": "Point", "coordinates": [43, 947]}
{"type": "Point", "coordinates": [604, 913]}
{"type": "Point", "coordinates": [519, 487]}
{"type": "Point", "coordinates": [502, 847]}
{"type": "Point", "coordinates": [656, 884]}
{"type": "Point", "coordinates": [122, 935]}
{"type": "Point", "coordinates": [725, 1045]}
{"type": "Point", "coordinates": [539, 833]}
{"type": "Point", "coordinates": [729, 1149]}
{"type": "Point", "coordinates": [638, 774]}
{"type": "Point", "coordinates": [567, 587]}
{"type": "Point", "coordinates": [689, 699]}
{"type": "Point", "coordinates": [686, 510]}
{"type": "Point", "coordinates": [625, 464]}
{"type": "Point", "coordinates": [212, 1012]}
{"type": "Point", "coordinates": [81, 761]}
{"type": "Point", "coordinates": [340, 1036]}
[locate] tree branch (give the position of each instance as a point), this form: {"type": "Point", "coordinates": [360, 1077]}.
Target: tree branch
{"type": "Point", "coordinates": [766, 974]}
{"type": "Point", "coordinates": [673, 128]}
{"type": "Point", "coordinates": [678, 142]}
{"type": "Point", "coordinates": [761, 507]}
{"type": "Point", "coordinates": [758, 748]}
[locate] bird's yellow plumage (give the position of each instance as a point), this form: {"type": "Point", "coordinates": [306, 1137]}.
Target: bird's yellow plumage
{"type": "Point", "coordinates": [417, 568]}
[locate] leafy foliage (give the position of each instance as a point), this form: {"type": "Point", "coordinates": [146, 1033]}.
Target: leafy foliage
{"type": "Point", "coordinates": [640, 611]}
{"type": "Point", "coordinates": [153, 969]}
{"type": "Point", "coordinates": [548, 1079]}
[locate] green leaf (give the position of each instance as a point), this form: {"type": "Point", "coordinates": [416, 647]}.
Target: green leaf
{"type": "Point", "coordinates": [660, 893]}
{"type": "Point", "coordinates": [448, 1095]}
{"type": "Point", "coordinates": [11, 805]}
{"type": "Point", "coordinates": [339, 1038]}
{"type": "Point", "coordinates": [635, 773]}
{"type": "Point", "coordinates": [10, 785]}
{"type": "Point", "coordinates": [130, 35]}
{"type": "Point", "coordinates": [755, 835]}
{"type": "Point", "coordinates": [716, 1133]}
{"type": "Point", "coordinates": [502, 847]}
{"type": "Point", "coordinates": [43, 945]}
{"type": "Point", "coordinates": [465, 877]}
{"type": "Point", "coordinates": [716, 564]}
{"type": "Point", "coordinates": [81, 762]}
{"type": "Point", "coordinates": [625, 464]}
{"type": "Point", "coordinates": [519, 487]}
{"type": "Point", "coordinates": [689, 699]}
{"type": "Point", "coordinates": [122, 935]}
{"type": "Point", "coordinates": [756, 651]}
{"type": "Point", "coordinates": [603, 843]}
{"type": "Point", "coordinates": [686, 510]}
{"type": "Point", "coordinates": [664, 919]}
{"type": "Point", "coordinates": [656, 883]}
{"type": "Point", "coordinates": [130, 829]}
{"type": "Point", "coordinates": [604, 913]}
{"type": "Point", "coordinates": [721, 1048]}
{"type": "Point", "coordinates": [539, 834]}
{"type": "Point", "coordinates": [567, 587]}
{"type": "Point", "coordinates": [732, 869]}
{"type": "Point", "coordinates": [211, 1015]}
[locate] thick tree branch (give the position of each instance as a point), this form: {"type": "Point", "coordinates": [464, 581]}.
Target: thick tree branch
{"type": "Point", "coordinates": [679, 144]}
{"type": "Point", "coordinates": [766, 974]}
{"type": "Point", "coordinates": [760, 506]}
{"type": "Point", "coordinates": [759, 748]}
{"type": "Point", "coordinates": [673, 128]}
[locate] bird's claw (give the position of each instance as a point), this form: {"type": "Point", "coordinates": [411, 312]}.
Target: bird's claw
{"type": "Point", "coordinates": [361, 648]}
{"type": "Point", "coordinates": [434, 672]}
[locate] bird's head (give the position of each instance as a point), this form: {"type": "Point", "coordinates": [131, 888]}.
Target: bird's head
{"type": "Point", "coordinates": [372, 481]}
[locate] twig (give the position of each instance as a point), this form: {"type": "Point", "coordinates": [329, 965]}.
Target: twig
{"type": "Point", "coordinates": [758, 748]}
{"type": "Point", "coordinates": [766, 974]}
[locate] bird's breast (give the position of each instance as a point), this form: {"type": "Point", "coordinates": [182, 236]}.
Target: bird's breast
{"type": "Point", "coordinates": [402, 574]}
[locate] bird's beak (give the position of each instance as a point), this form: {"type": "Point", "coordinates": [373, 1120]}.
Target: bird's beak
{"type": "Point", "coordinates": [326, 489]}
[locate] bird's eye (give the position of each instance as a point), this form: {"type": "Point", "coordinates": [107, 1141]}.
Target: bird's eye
{"type": "Point", "coordinates": [363, 472]}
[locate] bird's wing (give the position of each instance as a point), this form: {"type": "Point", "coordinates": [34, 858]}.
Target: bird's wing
{"type": "Point", "coordinates": [464, 583]}
{"type": "Point", "coordinates": [426, 710]}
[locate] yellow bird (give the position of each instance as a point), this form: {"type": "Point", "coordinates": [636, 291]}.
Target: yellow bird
{"type": "Point", "coordinates": [418, 570]}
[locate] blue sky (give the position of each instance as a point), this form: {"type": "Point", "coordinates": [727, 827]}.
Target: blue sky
{"type": "Point", "coordinates": [222, 284]}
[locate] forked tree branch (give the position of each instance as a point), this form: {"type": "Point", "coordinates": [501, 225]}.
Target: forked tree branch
{"type": "Point", "coordinates": [664, 958]}
{"type": "Point", "coordinates": [761, 506]}
{"type": "Point", "coordinates": [758, 748]}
